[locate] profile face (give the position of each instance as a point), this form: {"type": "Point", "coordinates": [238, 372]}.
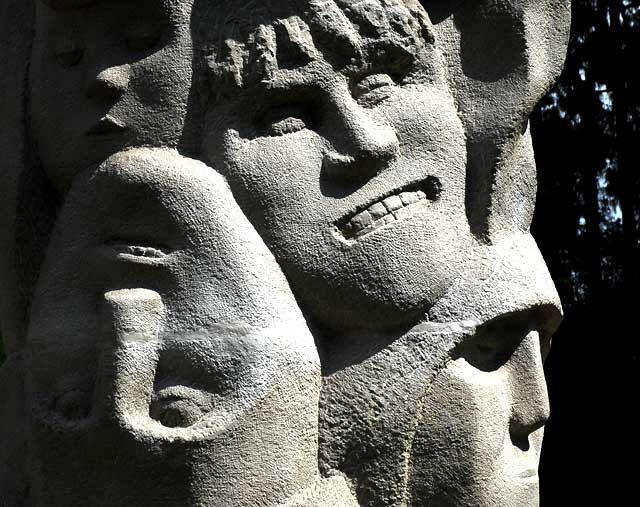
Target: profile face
{"type": "Point", "coordinates": [355, 181]}
{"type": "Point", "coordinates": [164, 337]}
{"type": "Point", "coordinates": [490, 405]}
{"type": "Point", "coordinates": [103, 77]}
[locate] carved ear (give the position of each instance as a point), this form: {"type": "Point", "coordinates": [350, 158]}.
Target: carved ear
{"type": "Point", "coordinates": [502, 57]}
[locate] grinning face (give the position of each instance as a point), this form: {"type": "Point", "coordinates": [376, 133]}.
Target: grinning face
{"type": "Point", "coordinates": [95, 84]}
{"type": "Point", "coordinates": [356, 179]}
{"type": "Point", "coordinates": [350, 176]}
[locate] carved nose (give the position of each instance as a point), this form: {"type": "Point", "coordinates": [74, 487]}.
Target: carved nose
{"type": "Point", "coordinates": [109, 84]}
{"type": "Point", "coordinates": [130, 323]}
{"type": "Point", "coordinates": [363, 146]}
{"type": "Point", "coordinates": [529, 398]}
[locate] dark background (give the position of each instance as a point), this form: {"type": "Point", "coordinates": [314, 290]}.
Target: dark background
{"type": "Point", "coordinates": [586, 137]}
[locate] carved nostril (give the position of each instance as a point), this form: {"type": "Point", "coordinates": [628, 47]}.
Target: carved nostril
{"type": "Point", "coordinates": [110, 84]}
{"type": "Point", "coordinates": [520, 441]}
{"type": "Point", "coordinates": [338, 167]}
{"type": "Point", "coordinates": [74, 404]}
{"type": "Point", "coordinates": [520, 429]}
{"type": "Point", "coordinates": [363, 162]}
{"type": "Point", "coordinates": [364, 147]}
{"type": "Point", "coordinates": [377, 142]}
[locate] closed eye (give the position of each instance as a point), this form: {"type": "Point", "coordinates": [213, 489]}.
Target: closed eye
{"type": "Point", "coordinates": [179, 406]}
{"type": "Point", "coordinates": [493, 344]}
{"type": "Point", "coordinates": [283, 119]}
{"type": "Point", "coordinates": [374, 89]}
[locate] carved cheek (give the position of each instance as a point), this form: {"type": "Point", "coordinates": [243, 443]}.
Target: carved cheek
{"type": "Point", "coordinates": [277, 170]}
{"type": "Point", "coordinates": [463, 435]}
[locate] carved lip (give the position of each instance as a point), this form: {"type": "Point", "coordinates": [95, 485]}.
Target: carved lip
{"type": "Point", "coordinates": [400, 204]}
{"type": "Point", "coordinates": [106, 125]}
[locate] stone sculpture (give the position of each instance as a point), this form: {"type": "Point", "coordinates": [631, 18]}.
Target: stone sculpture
{"type": "Point", "coordinates": [274, 253]}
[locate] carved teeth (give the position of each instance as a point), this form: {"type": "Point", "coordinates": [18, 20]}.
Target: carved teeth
{"type": "Point", "coordinates": [393, 203]}
{"type": "Point", "coordinates": [362, 220]}
{"type": "Point", "coordinates": [378, 210]}
{"type": "Point", "coordinates": [381, 213]}
{"type": "Point", "coordinates": [402, 213]}
{"type": "Point", "coordinates": [408, 198]}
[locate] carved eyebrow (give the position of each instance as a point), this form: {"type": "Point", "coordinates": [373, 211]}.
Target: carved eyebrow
{"type": "Point", "coordinates": [391, 55]}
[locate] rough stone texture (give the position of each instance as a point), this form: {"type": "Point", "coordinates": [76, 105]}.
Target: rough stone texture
{"type": "Point", "coordinates": [273, 253]}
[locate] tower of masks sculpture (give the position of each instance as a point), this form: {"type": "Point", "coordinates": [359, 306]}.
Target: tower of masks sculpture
{"type": "Point", "coordinates": [273, 253]}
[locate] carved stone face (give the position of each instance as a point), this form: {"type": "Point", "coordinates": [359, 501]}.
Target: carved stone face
{"type": "Point", "coordinates": [356, 183]}
{"type": "Point", "coordinates": [105, 77]}
{"type": "Point", "coordinates": [357, 179]}
{"type": "Point", "coordinates": [466, 402]}
{"type": "Point", "coordinates": [306, 151]}
{"type": "Point", "coordinates": [482, 426]}
{"type": "Point", "coordinates": [164, 338]}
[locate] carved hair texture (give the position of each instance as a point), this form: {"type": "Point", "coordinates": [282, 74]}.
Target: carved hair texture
{"type": "Point", "coordinates": [245, 42]}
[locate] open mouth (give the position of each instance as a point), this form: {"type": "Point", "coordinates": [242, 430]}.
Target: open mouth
{"type": "Point", "coordinates": [401, 205]}
{"type": "Point", "coordinates": [106, 125]}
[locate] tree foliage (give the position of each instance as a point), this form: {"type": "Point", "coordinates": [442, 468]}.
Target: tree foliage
{"type": "Point", "coordinates": [586, 136]}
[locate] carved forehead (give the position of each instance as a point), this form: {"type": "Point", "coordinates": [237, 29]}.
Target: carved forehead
{"type": "Point", "coordinates": [246, 42]}
{"type": "Point", "coordinates": [372, 17]}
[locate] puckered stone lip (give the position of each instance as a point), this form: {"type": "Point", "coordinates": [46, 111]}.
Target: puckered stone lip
{"type": "Point", "coordinates": [400, 204]}
{"type": "Point", "coordinates": [105, 126]}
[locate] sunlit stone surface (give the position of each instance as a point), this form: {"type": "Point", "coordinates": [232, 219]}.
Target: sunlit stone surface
{"type": "Point", "coordinates": [273, 253]}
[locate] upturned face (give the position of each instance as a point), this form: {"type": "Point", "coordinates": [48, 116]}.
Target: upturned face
{"type": "Point", "coordinates": [163, 337]}
{"type": "Point", "coordinates": [356, 181]}
{"type": "Point", "coordinates": [108, 76]}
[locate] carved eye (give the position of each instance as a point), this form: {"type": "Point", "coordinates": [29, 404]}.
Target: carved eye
{"type": "Point", "coordinates": [69, 56]}
{"type": "Point", "coordinates": [282, 120]}
{"type": "Point", "coordinates": [374, 89]}
{"type": "Point", "coordinates": [493, 345]}
{"type": "Point", "coordinates": [143, 38]}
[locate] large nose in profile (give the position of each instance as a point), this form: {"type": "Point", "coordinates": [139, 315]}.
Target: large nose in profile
{"type": "Point", "coordinates": [529, 398]}
{"type": "Point", "coordinates": [131, 321]}
{"type": "Point", "coordinates": [362, 144]}
{"type": "Point", "coordinates": [109, 84]}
